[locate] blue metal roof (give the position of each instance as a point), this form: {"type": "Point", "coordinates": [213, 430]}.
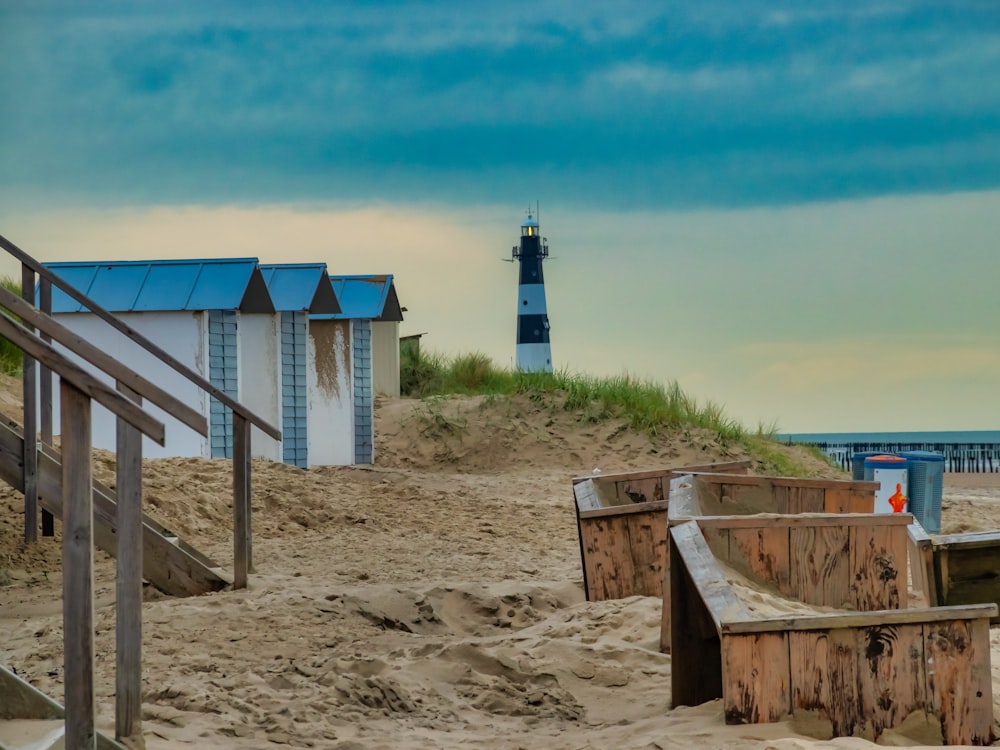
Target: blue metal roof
{"type": "Point", "coordinates": [372, 297]}
{"type": "Point", "coordinates": [300, 286]}
{"type": "Point", "coordinates": [162, 285]}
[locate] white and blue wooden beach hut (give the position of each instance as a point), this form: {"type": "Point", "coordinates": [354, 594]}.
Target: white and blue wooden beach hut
{"type": "Point", "coordinates": [312, 387]}
{"type": "Point", "coordinates": [215, 316]}
{"type": "Point", "coordinates": [369, 326]}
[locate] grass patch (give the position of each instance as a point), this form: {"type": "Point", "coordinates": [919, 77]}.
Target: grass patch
{"type": "Point", "coordinates": [11, 357]}
{"type": "Point", "coordinates": [645, 406]}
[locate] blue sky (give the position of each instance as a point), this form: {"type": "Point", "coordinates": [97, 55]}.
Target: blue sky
{"type": "Point", "coordinates": [789, 207]}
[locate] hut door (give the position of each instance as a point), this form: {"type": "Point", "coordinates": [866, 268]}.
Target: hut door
{"type": "Point", "coordinates": [222, 373]}
{"type": "Point", "coordinates": [364, 408]}
{"type": "Point", "coordinates": [294, 445]}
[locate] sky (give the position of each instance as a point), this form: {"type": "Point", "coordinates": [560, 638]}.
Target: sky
{"type": "Point", "coordinates": [790, 208]}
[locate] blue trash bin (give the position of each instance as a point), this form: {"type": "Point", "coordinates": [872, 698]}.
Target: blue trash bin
{"type": "Point", "coordinates": [925, 470]}
{"type": "Point", "coordinates": [858, 463]}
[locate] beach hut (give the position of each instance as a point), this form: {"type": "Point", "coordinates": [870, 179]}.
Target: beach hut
{"type": "Point", "coordinates": [299, 290]}
{"type": "Point", "coordinates": [368, 325]}
{"type": "Point", "coordinates": [215, 316]}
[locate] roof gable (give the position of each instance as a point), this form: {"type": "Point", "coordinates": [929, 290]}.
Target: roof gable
{"type": "Point", "coordinates": [300, 286]}
{"type": "Point", "coordinates": [370, 297]}
{"type": "Point", "coordinates": [165, 285]}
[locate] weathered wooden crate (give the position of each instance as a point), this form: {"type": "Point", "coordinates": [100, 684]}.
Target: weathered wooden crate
{"type": "Point", "coordinates": [862, 672]}
{"type": "Point", "coordinates": [740, 515]}
{"type": "Point", "coordinates": [714, 494]}
{"type": "Point", "coordinates": [622, 525]}
{"type": "Point", "coordinates": [966, 567]}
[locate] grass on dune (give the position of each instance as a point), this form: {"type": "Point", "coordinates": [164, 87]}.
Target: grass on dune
{"type": "Point", "coordinates": [11, 358]}
{"type": "Point", "coordinates": [645, 405]}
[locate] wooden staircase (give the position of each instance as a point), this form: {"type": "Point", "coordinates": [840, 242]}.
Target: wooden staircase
{"type": "Point", "coordinates": [30, 720]}
{"type": "Point", "coordinates": [168, 563]}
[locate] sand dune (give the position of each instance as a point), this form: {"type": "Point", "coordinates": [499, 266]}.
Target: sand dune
{"type": "Point", "coordinates": [431, 601]}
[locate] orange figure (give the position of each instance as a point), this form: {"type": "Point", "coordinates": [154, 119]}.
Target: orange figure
{"type": "Point", "coordinates": [898, 500]}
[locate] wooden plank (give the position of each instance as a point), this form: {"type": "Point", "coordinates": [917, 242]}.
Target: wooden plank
{"type": "Point", "coordinates": [683, 504]}
{"type": "Point", "coordinates": [710, 478]}
{"type": "Point", "coordinates": [836, 620]}
{"type": "Point", "coordinates": [745, 499]}
{"type": "Point", "coordinates": [969, 540]}
{"type": "Point", "coordinates": [821, 574]}
{"type": "Point", "coordinates": [849, 500]}
{"type": "Point", "coordinates": [959, 685]}
{"type": "Point", "coordinates": [624, 510]}
{"type": "Point", "coordinates": [45, 395]}
{"type": "Point", "coordinates": [29, 401]}
{"type": "Point", "coordinates": [803, 499]}
{"type": "Point", "coordinates": [665, 625]}
{"type": "Point", "coordinates": [756, 678]}
{"type": "Point", "coordinates": [812, 520]}
{"type": "Point", "coordinates": [137, 337]}
{"type": "Point", "coordinates": [712, 585]}
{"type": "Point", "coordinates": [241, 502]}
{"type": "Point", "coordinates": [695, 648]}
{"type": "Point", "coordinates": [763, 554]}
{"type": "Point", "coordinates": [891, 676]}
{"type": "Point", "coordinates": [861, 501]}
{"type": "Point", "coordinates": [641, 491]}
{"type": "Point", "coordinates": [669, 472]}
{"type": "Point", "coordinates": [610, 570]}
{"type": "Point", "coordinates": [128, 579]}
{"type": "Point", "coordinates": [78, 568]}
{"type": "Point", "coordinates": [824, 676]}
{"type": "Point", "coordinates": [920, 551]}
{"type": "Point", "coordinates": [878, 567]}
{"type": "Point", "coordinates": [81, 379]}
{"type": "Point", "coordinates": [647, 534]}
{"type": "Point", "coordinates": [103, 361]}
{"type": "Point", "coordinates": [586, 496]}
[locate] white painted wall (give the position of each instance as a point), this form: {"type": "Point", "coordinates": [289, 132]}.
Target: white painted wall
{"type": "Point", "coordinates": [260, 378]}
{"type": "Point", "coordinates": [183, 335]}
{"type": "Point", "coordinates": [331, 401]}
{"type": "Point", "coordinates": [385, 357]}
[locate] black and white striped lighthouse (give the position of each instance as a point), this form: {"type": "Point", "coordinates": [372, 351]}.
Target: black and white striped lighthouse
{"type": "Point", "coordinates": [533, 351]}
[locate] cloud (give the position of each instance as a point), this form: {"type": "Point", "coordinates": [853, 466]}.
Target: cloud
{"type": "Point", "coordinates": [658, 106]}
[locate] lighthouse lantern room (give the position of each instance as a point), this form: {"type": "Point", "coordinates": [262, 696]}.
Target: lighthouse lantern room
{"type": "Point", "coordinates": [534, 353]}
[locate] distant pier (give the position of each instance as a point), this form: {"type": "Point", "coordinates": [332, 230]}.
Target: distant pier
{"type": "Point", "coordinates": [972, 458]}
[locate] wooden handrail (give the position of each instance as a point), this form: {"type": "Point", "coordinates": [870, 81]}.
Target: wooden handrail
{"type": "Point", "coordinates": [47, 325]}
{"type": "Point", "coordinates": [82, 380]}
{"type": "Point", "coordinates": [138, 338]}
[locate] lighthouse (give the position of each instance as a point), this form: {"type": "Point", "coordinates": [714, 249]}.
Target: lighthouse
{"type": "Point", "coordinates": [533, 351]}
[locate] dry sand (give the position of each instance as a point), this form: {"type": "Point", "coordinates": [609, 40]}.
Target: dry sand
{"type": "Point", "coordinates": [431, 601]}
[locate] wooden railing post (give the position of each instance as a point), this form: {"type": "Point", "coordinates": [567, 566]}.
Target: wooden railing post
{"type": "Point", "coordinates": [30, 457]}
{"type": "Point", "coordinates": [45, 393]}
{"type": "Point", "coordinates": [78, 570]}
{"type": "Point", "coordinates": [242, 533]}
{"type": "Point", "coordinates": [128, 580]}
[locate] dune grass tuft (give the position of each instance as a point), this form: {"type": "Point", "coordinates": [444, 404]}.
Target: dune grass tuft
{"type": "Point", "coordinates": [11, 358]}
{"type": "Point", "coordinates": [645, 405]}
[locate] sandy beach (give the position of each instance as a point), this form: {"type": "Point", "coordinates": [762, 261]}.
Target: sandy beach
{"type": "Point", "coordinates": [433, 600]}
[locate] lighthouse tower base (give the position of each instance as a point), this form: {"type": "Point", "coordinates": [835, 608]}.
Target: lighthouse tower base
{"type": "Point", "coordinates": [534, 357]}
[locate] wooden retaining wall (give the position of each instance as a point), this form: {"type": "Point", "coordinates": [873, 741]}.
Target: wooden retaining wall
{"type": "Point", "coordinates": [622, 525]}
{"type": "Point", "coordinates": [862, 672]}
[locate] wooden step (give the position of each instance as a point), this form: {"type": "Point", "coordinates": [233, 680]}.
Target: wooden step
{"type": "Point", "coordinates": [170, 564]}
{"type": "Point", "coordinates": [31, 734]}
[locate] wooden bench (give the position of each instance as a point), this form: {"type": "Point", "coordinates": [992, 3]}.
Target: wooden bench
{"type": "Point", "coordinates": [621, 521]}
{"type": "Point", "coordinates": [862, 672]}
